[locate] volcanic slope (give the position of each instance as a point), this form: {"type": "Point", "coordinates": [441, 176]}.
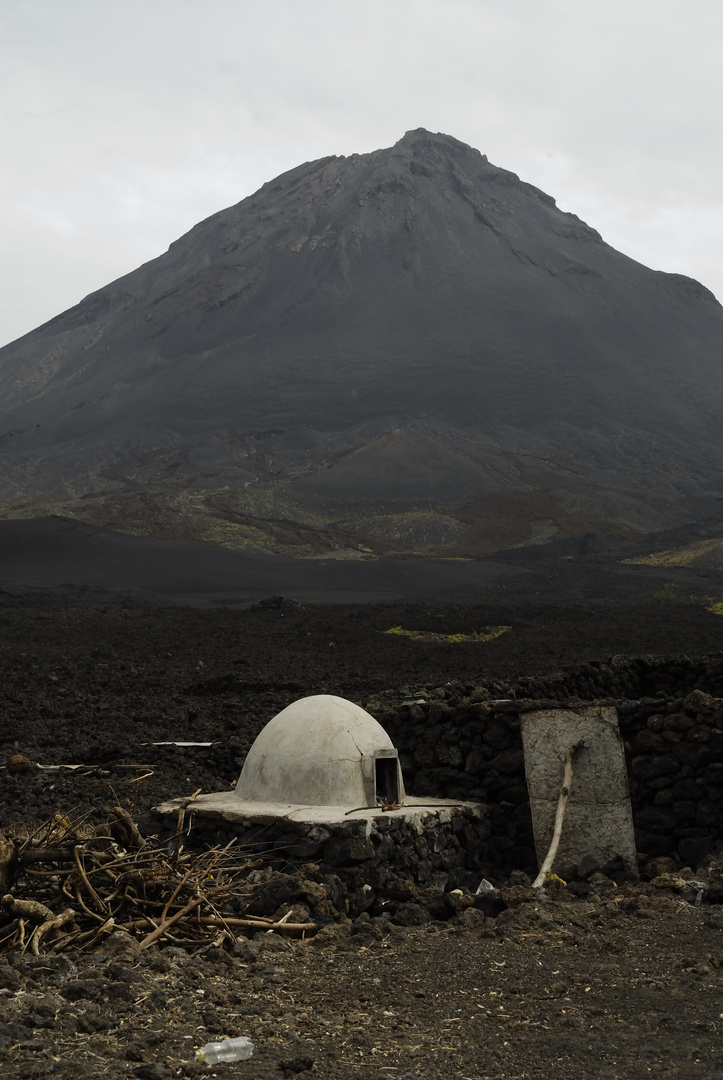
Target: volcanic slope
{"type": "Point", "coordinates": [410, 349]}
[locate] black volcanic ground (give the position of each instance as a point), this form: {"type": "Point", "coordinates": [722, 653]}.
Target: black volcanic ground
{"type": "Point", "coordinates": [58, 561]}
{"type": "Point", "coordinates": [409, 351]}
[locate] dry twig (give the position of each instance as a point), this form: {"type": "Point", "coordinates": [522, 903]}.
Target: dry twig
{"type": "Point", "coordinates": [108, 883]}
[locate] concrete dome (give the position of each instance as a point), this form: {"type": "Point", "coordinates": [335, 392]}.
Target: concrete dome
{"type": "Point", "coordinates": [322, 751]}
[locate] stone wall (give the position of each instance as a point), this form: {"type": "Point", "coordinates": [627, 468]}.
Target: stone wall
{"type": "Point", "coordinates": [462, 741]}
{"type": "Point", "coordinates": [356, 860]}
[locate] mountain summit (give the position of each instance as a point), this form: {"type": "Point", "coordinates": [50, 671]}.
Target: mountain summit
{"type": "Point", "coordinates": [405, 350]}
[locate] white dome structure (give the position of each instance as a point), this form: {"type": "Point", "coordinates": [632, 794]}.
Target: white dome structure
{"type": "Point", "coordinates": [322, 751]}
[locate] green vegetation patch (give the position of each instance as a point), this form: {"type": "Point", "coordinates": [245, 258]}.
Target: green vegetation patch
{"type": "Point", "coordinates": [707, 554]}
{"type": "Point", "coordinates": [715, 608]}
{"type": "Point", "coordinates": [665, 595]}
{"type": "Point", "coordinates": [477, 637]}
{"type": "Point", "coordinates": [237, 537]}
{"type": "Point", "coordinates": [414, 530]}
{"type": "Point", "coordinates": [264, 501]}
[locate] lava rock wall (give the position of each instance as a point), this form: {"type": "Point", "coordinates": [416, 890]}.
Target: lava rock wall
{"type": "Point", "coordinates": [463, 741]}
{"type": "Point", "coordinates": [354, 862]}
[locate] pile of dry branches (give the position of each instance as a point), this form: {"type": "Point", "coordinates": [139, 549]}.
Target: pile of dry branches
{"type": "Point", "coordinates": [69, 887]}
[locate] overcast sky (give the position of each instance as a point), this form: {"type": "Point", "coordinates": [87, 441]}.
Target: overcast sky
{"type": "Point", "coordinates": [124, 122]}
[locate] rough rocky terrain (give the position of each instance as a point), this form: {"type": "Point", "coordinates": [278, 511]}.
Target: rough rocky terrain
{"type": "Point", "coordinates": [609, 979]}
{"type": "Point", "coordinates": [618, 988]}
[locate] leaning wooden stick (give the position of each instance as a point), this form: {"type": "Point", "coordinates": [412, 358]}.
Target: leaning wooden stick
{"type": "Point", "coordinates": [549, 859]}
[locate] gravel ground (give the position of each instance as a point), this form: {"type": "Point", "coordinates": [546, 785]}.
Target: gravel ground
{"type": "Point", "coordinates": [619, 988]}
{"type": "Point", "coordinates": [625, 983]}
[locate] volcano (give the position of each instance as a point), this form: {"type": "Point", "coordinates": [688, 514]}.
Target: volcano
{"type": "Point", "coordinates": [408, 351]}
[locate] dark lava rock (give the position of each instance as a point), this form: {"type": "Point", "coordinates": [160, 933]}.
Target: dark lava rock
{"type": "Point", "coordinates": [514, 895]}
{"type": "Point", "coordinates": [14, 1032]}
{"type": "Point", "coordinates": [293, 1066]}
{"type": "Point", "coordinates": [582, 889]}
{"type": "Point", "coordinates": [587, 866]}
{"type": "Point", "coordinates": [693, 850]}
{"type": "Point", "coordinates": [81, 990]}
{"type": "Point", "coordinates": [20, 763]}
{"type": "Point", "coordinates": [9, 978]}
{"type": "Point", "coordinates": [152, 1071]}
{"type": "Point", "coordinates": [411, 915]}
{"type": "Point", "coordinates": [519, 877]}
{"type": "Point", "coordinates": [280, 889]}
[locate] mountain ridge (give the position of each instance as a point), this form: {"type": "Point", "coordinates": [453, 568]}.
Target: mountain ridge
{"type": "Point", "coordinates": [418, 289]}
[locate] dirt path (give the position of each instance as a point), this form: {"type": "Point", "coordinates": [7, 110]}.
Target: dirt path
{"type": "Point", "coordinates": [582, 993]}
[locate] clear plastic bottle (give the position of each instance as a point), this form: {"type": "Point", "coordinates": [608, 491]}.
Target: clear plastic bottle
{"type": "Point", "coordinates": [226, 1050]}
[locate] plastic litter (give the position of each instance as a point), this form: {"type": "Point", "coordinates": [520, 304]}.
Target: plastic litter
{"type": "Point", "coordinates": [700, 886]}
{"type": "Point", "coordinates": [485, 887]}
{"type": "Point", "coordinates": [226, 1050]}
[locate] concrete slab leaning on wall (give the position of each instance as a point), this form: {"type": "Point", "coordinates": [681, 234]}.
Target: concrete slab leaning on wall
{"type": "Point", "coordinates": [598, 820]}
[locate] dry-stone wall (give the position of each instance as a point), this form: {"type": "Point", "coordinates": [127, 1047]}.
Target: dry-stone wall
{"type": "Point", "coordinates": [357, 860]}
{"type": "Point", "coordinates": [462, 741]}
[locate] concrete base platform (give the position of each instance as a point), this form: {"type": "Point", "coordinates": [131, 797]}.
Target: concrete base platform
{"type": "Point", "coordinates": [431, 841]}
{"type": "Point", "coordinates": [228, 805]}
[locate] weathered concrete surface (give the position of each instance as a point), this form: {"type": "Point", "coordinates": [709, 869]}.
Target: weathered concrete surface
{"type": "Point", "coordinates": [226, 806]}
{"type": "Point", "coordinates": [598, 820]}
{"type": "Point", "coordinates": [322, 751]}
{"type": "Point", "coordinates": [435, 842]}
{"type": "Point", "coordinates": [322, 781]}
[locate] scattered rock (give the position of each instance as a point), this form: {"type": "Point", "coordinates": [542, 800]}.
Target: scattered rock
{"type": "Point", "coordinates": [9, 978]}
{"type": "Point", "coordinates": [20, 763]}
{"type": "Point", "coordinates": [293, 1066]}
{"type": "Point", "coordinates": [121, 946]}
{"type": "Point", "coordinates": [152, 1071]}
{"type": "Point", "coordinates": [246, 951]}
{"type": "Point", "coordinates": [587, 866]}
{"type": "Point", "coordinates": [514, 895]}
{"type": "Point", "coordinates": [411, 915]}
